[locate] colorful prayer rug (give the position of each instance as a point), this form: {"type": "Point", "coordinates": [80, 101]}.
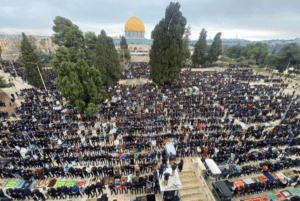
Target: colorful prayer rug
{"type": "Point", "coordinates": [279, 196]}
{"type": "Point", "coordinates": [286, 193]}
{"type": "Point", "coordinates": [70, 183]}
{"type": "Point", "coordinates": [264, 198]}
{"type": "Point", "coordinates": [274, 176]}
{"type": "Point", "coordinates": [80, 183]}
{"type": "Point", "coordinates": [263, 178]}
{"type": "Point", "coordinates": [11, 184]}
{"type": "Point", "coordinates": [19, 184]}
{"type": "Point", "coordinates": [2, 184]}
{"type": "Point", "coordinates": [238, 183]}
{"type": "Point", "coordinates": [27, 184]}
{"type": "Point", "coordinates": [59, 184]}
{"type": "Point", "coordinates": [52, 182]}
{"type": "Point", "coordinates": [294, 191]}
{"type": "Point", "coordinates": [34, 183]}
{"type": "Point", "coordinates": [272, 197]}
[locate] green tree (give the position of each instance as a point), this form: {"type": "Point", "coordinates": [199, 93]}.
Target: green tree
{"type": "Point", "coordinates": [45, 58]}
{"type": "Point", "coordinates": [167, 53]}
{"type": "Point", "coordinates": [123, 43]}
{"type": "Point", "coordinates": [3, 83]}
{"type": "Point", "coordinates": [234, 52]}
{"type": "Point", "coordinates": [89, 48]}
{"type": "Point", "coordinates": [259, 52]}
{"type": "Point", "coordinates": [107, 61]}
{"type": "Point", "coordinates": [200, 53]}
{"type": "Point", "coordinates": [61, 55]}
{"type": "Point", "coordinates": [82, 85]}
{"type": "Point", "coordinates": [124, 48]}
{"type": "Point", "coordinates": [289, 54]}
{"type": "Point", "coordinates": [30, 62]}
{"type": "Point", "coordinates": [215, 48]}
{"type": "Point", "coordinates": [70, 36]}
{"type": "Point", "coordinates": [186, 42]}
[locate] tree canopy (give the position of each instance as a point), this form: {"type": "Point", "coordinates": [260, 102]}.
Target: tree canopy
{"type": "Point", "coordinates": [3, 83]}
{"type": "Point", "coordinates": [125, 52]}
{"type": "Point", "coordinates": [288, 54]}
{"type": "Point", "coordinates": [82, 85]}
{"type": "Point", "coordinates": [215, 48]}
{"type": "Point", "coordinates": [30, 62]}
{"type": "Point", "coordinates": [257, 52]}
{"type": "Point", "coordinates": [167, 53]}
{"type": "Point", "coordinates": [107, 61]}
{"type": "Point", "coordinates": [186, 42]}
{"type": "Point", "coordinates": [200, 53]}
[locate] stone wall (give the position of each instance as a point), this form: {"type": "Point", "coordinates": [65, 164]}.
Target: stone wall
{"type": "Point", "coordinates": [11, 47]}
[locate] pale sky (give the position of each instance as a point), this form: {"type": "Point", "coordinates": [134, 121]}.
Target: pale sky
{"type": "Point", "coordinates": [245, 19]}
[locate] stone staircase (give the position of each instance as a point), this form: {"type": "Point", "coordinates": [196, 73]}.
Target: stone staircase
{"type": "Point", "coordinates": [191, 190]}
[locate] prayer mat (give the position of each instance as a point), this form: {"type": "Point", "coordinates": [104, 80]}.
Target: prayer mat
{"type": "Point", "coordinates": [27, 184]}
{"type": "Point", "coordinates": [43, 183]}
{"type": "Point", "coordinates": [294, 173]}
{"type": "Point", "coordinates": [272, 197]}
{"type": "Point", "coordinates": [279, 196]}
{"type": "Point", "coordinates": [256, 199]}
{"type": "Point", "coordinates": [248, 199]}
{"type": "Point", "coordinates": [274, 176]}
{"type": "Point", "coordinates": [95, 179]}
{"type": "Point", "coordinates": [238, 183]}
{"type": "Point", "coordinates": [34, 183]}
{"type": "Point", "coordinates": [59, 184]}
{"type": "Point", "coordinates": [255, 180]}
{"type": "Point", "coordinates": [281, 176]}
{"type": "Point", "coordinates": [248, 181]}
{"type": "Point", "coordinates": [269, 176]}
{"type": "Point", "coordinates": [123, 180]}
{"type": "Point", "coordinates": [294, 191]}
{"type": "Point", "coordinates": [286, 193]}
{"type": "Point", "coordinates": [263, 178]}
{"type": "Point", "coordinates": [19, 184]}
{"type": "Point", "coordinates": [80, 183]}
{"type": "Point", "coordinates": [288, 174]}
{"type": "Point", "coordinates": [2, 184]}
{"type": "Point", "coordinates": [52, 182]}
{"type": "Point", "coordinates": [264, 198]}
{"type": "Point", "coordinates": [70, 183]}
{"type": "Point", "coordinates": [11, 184]}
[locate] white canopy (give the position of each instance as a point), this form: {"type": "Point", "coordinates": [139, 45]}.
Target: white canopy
{"type": "Point", "coordinates": [213, 166]}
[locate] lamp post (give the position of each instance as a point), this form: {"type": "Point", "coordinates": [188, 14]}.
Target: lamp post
{"type": "Point", "coordinates": [40, 73]}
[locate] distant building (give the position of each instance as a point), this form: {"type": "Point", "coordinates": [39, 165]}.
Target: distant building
{"type": "Point", "coordinates": [134, 33]}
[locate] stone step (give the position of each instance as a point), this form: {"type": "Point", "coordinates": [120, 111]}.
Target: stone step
{"type": "Point", "coordinates": [190, 183]}
{"type": "Point", "coordinates": [186, 179]}
{"type": "Point", "coordinates": [187, 174]}
{"type": "Point", "coordinates": [190, 191]}
{"type": "Point", "coordinates": [198, 197]}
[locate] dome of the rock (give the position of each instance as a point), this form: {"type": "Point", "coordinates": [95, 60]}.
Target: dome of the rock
{"type": "Point", "coordinates": [134, 28]}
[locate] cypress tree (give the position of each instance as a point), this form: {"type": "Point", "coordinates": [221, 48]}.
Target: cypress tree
{"type": "Point", "coordinates": [215, 48]}
{"type": "Point", "coordinates": [82, 85]}
{"type": "Point", "coordinates": [167, 53]}
{"type": "Point", "coordinates": [124, 48]}
{"type": "Point", "coordinates": [200, 53]}
{"type": "Point", "coordinates": [106, 60]}
{"type": "Point", "coordinates": [30, 62]}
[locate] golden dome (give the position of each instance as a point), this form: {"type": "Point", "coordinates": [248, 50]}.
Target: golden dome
{"type": "Point", "coordinates": [134, 24]}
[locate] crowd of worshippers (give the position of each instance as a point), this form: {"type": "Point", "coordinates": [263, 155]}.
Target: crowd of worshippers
{"type": "Point", "coordinates": [232, 171]}
{"type": "Point", "coordinates": [56, 192]}
{"type": "Point", "coordinates": [203, 66]}
{"type": "Point", "coordinates": [136, 70]}
{"type": "Point", "coordinates": [197, 121]}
